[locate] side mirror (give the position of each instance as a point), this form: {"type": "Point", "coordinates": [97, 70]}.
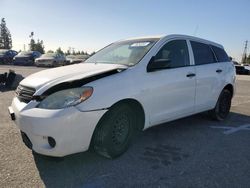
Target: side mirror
{"type": "Point", "coordinates": [158, 64]}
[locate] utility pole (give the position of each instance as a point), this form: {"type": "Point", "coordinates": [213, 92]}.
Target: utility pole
{"type": "Point", "coordinates": [244, 55]}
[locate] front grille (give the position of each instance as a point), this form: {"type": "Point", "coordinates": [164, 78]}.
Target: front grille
{"type": "Point", "coordinates": [44, 60]}
{"type": "Point", "coordinates": [25, 94]}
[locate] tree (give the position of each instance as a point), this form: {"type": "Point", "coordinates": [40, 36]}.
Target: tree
{"type": "Point", "coordinates": [68, 52]}
{"type": "Point", "coordinates": [248, 59]}
{"type": "Point", "coordinates": [5, 36]}
{"type": "Point", "coordinates": [50, 51]}
{"type": "Point", "coordinates": [92, 53]}
{"type": "Point", "coordinates": [244, 59]}
{"type": "Point", "coordinates": [32, 45]}
{"type": "Point", "coordinates": [39, 46]}
{"type": "Point", "coordinates": [36, 46]}
{"type": "Point", "coordinates": [59, 51]}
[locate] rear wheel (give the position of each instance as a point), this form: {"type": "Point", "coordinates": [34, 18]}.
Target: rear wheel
{"type": "Point", "coordinates": [114, 131]}
{"type": "Point", "coordinates": [223, 105]}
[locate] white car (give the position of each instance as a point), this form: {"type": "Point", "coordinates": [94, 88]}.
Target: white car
{"type": "Point", "coordinates": [247, 67]}
{"type": "Point", "coordinates": [130, 85]}
{"type": "Point", "coordinates": [72, 59]}
{"type": "Point", "coordinates": [51, 60]}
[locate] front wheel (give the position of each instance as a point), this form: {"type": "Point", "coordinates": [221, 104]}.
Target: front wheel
{"type": "Point", "coordinates": [114, 131]}
{"type": "Point", "coordinates": [223, 105]}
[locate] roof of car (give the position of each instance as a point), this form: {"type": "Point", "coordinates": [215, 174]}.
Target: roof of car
{"type": "Point", "coordinates": [194, 38]}
{"type": "Point", "coordinates": [143, 38]}
{"type": "Point", "coordinates": [173, 36]}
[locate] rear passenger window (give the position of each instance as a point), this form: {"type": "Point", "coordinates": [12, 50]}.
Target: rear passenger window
{"type": "Point", "coordinates": [176, 51]}
{"type": "Point", "coordinates": [220, 54]}
{"type": "Point", "coordinates": [202, 53]}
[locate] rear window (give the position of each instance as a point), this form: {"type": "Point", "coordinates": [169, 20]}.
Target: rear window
{"type": "Point", "coordinates": [220, 54]}
{"type": "Point", "coordinates": [202, 53]}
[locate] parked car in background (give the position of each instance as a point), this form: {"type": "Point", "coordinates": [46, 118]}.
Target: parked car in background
{"type": "Point", "coordinates": [6, 56]}
{"type": "Point", "coordinates": [72, 59]}
{"type": "Point", "coordinates": [240, 69]}
{"type": "Point", "coordinates": [51, 60]}
{"type": "Point", "coordinates": [128, 86]}
{"type": "Point", "coordinates": [26, 58]}
{"type": "Point", "coordinates": [247, 67]}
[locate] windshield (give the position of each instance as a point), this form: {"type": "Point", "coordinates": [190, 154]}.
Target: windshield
{"type": "Point", "coordinates": [125, 53]}
{"type": "Point", "coordinates": [49, 55]}
{"type": "Point", "coordinates": [25, 53]}
{"type": "Point", "coordinates": [2, 52]}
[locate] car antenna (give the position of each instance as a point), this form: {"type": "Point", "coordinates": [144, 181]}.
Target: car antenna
{"type": "Point", "coordinates": [196, 30]}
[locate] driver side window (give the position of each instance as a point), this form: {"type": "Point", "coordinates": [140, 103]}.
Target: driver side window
{"type": "Point", "coordinates": [176, 52]}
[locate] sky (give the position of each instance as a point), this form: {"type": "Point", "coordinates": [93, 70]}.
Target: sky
{"type": "Point", "coordinates": [89, 25]}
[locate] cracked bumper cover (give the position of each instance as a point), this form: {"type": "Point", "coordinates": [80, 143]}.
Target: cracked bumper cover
{"type": "Point", "coordinates": [71, 128]}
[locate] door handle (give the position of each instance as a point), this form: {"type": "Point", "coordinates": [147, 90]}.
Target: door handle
{"type": "Point", "coordinates": [190, 75]}
{"type": "Point", "coordinates": [218, 70]}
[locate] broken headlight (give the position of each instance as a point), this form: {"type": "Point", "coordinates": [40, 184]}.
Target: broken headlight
{"type": "Point", "coordinates": [66, 98]}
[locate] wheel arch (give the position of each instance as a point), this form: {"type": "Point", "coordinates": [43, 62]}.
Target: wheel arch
{"type": "Point", "coordinates": [137, 106]}
{"type": "Point", "coordinates": [230, 88]}
{"type": "Point", "coordinates": [134, 105]}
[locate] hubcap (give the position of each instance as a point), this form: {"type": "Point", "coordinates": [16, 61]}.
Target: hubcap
{"type": "Point", "coordinates": [120, 129]}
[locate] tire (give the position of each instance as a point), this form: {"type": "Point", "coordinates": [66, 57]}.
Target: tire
{"type": "Point", "coordinates": [223, 105]}
{"type": "Point", "coordinates": [115, 131]}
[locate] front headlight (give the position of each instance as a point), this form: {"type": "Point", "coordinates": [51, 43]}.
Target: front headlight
{"type": "Point", "coordinates": [66, 98]}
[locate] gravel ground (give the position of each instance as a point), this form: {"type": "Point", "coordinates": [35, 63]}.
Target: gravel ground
{"type": "Point", "coordinates": [182, 153]}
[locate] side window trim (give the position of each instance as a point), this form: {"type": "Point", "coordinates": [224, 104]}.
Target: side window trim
{"type": "Point", "coordinates": [191, 54]}
{"type": "Point", "coordinates": [216, 58]}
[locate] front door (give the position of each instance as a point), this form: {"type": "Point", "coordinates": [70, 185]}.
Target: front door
{"type": "Point", "coordinates": [171, 92]}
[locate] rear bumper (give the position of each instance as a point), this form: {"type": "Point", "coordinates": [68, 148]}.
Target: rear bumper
{"type": "Point", "coordinates": [71, 129]}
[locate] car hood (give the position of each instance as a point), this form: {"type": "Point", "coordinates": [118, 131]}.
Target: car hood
{"type": "Point", "coordinates": [45, 58]}
{"type": "Point", "coordinates": [77, 59]}
{"type": "Point", "coordinates": [23, 56]}
{"type": "Point", "coordinates": [50, 77]}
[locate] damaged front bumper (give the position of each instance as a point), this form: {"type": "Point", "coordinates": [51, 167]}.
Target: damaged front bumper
{"type": "Point", "coordinates": [55, 132]}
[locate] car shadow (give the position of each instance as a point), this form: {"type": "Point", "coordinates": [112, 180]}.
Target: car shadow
{"type": "Point", "coordinates": [153, 151]}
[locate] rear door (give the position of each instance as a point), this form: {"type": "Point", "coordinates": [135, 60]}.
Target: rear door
{"type": "Point", "coordinates": [209, 76]}
{"type": "Point", "coordinates": [171, 92]}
